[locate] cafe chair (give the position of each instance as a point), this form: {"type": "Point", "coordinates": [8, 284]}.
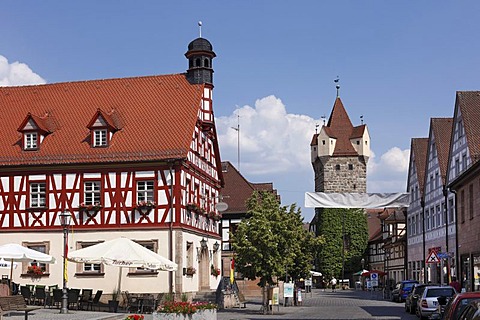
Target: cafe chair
{"type": "Point", "coordinates": [95, 302]}
{"type": "Point", "coordinates": [85, 297]}
{"type": "Point", "coordinates": [57, 297]}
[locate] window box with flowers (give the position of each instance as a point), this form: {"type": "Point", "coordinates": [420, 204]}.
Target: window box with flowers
{"type": "Point", "coordinates": [183, 310]}
{"type": "Point", "coordinates": [192, 207]}
{"type": "Point", "coordinates": [35, 271]}
{"type": "Point", "coordinates": [90, 207]}
{"type": "Point", "coordinates": [190, 271]}
{"type": "Point", "coordinates": [135, 317]}
{"type": "Point", "coordinates": [214, 271]}
{"type": "Point", "coordinates": [146, 204]}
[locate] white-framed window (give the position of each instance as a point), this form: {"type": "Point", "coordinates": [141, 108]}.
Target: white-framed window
{"type": "Point", "coordinates": [100, 137]}
{"type": "Point", "coordinates": [38, 195]}
{"type": "Point", "coordinates": [42, 247]}
{"type": "Point", "coordinates": [91, 192]}
{"type": "Point", "coordinates": [31, 140]}
{"type": "Point", "coordinates": [145, 191]}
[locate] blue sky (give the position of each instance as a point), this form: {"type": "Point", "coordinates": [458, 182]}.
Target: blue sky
{"type": "Point", "coordinates": [399, 64]}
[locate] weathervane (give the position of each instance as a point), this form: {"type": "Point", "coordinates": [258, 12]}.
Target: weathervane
{"type": "Point", "coordinates": [316, 128]}
{"type": "Point", "coordinates": [361, 118]}
{"type": "Point", "coordinates": [337, 86]}
{"type": "Point", "coordinates": [324, 119]}
{"type": "Point", "coordinates": [200, 28]}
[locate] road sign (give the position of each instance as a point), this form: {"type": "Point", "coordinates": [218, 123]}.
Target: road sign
{"type": "Point", "coordinates": [374, 279]}
{"type": "Point", "coordinates": [433, 258]}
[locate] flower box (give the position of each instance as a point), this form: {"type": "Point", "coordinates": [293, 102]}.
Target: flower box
{"type": "Point", "coordinates": [90, 207]}
{"type": "Point", "coordinates": [199, 315]}
{"type": "Point", "coordinates": [146, 204]}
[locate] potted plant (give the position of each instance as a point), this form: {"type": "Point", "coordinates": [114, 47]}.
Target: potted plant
{"type": "Point", "coordinates": [190, 271]}
{"type": "Point", "coordinates": [149, 204]}
{"type": "Point", "coordinates": [113, 304]}
{"type": "Point", "coordinates": [214, 271]}
{"type": "Point", "coordinates": [90, 207]}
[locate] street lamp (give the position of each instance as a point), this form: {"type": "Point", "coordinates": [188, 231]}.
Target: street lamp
{"type": "Point", "coordinates": [363, 264]}
{"type": "Point", "coordinates": [65, 219]}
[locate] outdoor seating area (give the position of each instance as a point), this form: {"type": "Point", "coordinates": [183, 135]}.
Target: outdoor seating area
{"type": "Point", "coordinates": [85, 299]}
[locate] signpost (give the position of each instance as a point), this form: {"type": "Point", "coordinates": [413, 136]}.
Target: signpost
{"type": "Point", "coordinates": [374, 279]}
{"type": "Point", "coordinates": [287, 292]}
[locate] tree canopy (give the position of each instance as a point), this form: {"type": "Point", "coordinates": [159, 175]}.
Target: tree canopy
{"type": "Point", "coordinates": [272, 239]}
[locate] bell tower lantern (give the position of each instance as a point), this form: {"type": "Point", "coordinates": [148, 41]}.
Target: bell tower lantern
{"type": "Point", "coordinates": [200, 56]}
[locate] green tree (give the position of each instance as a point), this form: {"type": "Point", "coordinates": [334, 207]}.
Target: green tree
{"type": "Point", "coordinates": [271, 239]}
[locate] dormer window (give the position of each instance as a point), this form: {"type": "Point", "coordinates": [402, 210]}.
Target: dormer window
{"type": "Point", "coordinates": [34, 129]}
{"type": "Point", "coordinates": [102, 127]}
{"type": "Point", "coordinates": [30, 140]}
{"type": "Point", "coordinates": [100, 138]}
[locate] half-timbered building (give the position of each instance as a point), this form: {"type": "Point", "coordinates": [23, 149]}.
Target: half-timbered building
{"type": "Point", "coordinates": [130, 157]}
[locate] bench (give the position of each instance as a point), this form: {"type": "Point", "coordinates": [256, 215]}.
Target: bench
{"type": "Point", "coordinates": [15, 303]}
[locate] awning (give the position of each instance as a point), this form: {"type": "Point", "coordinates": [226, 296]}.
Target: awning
{"type": "Point", "coordinates": [356, 200]}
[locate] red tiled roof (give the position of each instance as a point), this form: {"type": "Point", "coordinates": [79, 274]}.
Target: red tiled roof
{"type": "Point", "coordinates": [237, 190]}
{"type": "Point", "coordinates": [469, 104]}
{"type": "Point", "coordinates": [419, 148]}
{"type": "Point", "coordinates": [373, 223]}
{"type": "Point", "coordinates": [442, 130]}
{"type": "Point", "coordinates": [340, 127]}
{"type": "Point", "coordinates": [157, 116]}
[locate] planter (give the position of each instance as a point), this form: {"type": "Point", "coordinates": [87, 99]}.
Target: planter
{"type": "Point", "coordinates": [210, 314]}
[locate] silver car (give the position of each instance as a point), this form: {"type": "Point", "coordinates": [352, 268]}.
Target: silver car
{"type": "Point", "coordinates": [427, 303]}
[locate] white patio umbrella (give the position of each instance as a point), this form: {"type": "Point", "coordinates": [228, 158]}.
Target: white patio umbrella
{"type": "Point", "coordinates": [5, 264]}
{"type": "Point", "coordinates": [122, 252]}
{"type": "Point", "coordinates": [16, 253]}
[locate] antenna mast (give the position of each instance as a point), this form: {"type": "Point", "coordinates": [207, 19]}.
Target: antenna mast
{"type": "Point", "coordinates": [238, 141]}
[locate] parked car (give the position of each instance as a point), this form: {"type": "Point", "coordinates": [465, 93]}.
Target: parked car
{"type": "Point", "coordinates": [413, 296]}
{"type": "Point", "coordinates": [455, 306]}
{"type": "Point", "coordinates": [471, 311]}
{"type": "Point", "coordinates": [402, 289]}
{"type": "Point", "coordinates": [428, 303]}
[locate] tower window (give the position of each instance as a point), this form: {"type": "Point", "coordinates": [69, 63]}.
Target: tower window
{"type": "Point", "coordinates": [358, 142]}
{"type": "Point", "coordinates": [197, 62]}
{"type": "Point", "coordinates": [350, 166]}
{"type": "Point", "coordinates": [337, 167]}
{"type": "Point", "coordinates": [323, 141]}
{"type": "Point", "coordinates": [206, 63]}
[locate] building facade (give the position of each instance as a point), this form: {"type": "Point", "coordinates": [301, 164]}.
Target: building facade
{"type": "Point", "coordinates": [130, 157]}
{"type": "Point", "coordinates": [463, 179]}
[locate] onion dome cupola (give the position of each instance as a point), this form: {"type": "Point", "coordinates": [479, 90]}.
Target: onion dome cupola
{"type": "Point", "coordinates": [200, 56]}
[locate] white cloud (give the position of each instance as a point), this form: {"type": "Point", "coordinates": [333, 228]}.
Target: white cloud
{"type": "Point", "coordinates": [275, 147]}
{"type": "Point", "coordinates": [17, 73]}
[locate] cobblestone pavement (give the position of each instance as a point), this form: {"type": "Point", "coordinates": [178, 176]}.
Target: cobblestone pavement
{"type": "Point", "coordinates": [343, 304]}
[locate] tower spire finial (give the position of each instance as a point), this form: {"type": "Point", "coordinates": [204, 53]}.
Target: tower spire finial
{"type": "Point", "coordinates": [337, 81]}
{"type": "Point", "coordinates": [200, 28]}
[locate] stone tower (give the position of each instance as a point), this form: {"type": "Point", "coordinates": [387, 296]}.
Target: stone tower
{"type": "Point", "coordinates": [339, 154]}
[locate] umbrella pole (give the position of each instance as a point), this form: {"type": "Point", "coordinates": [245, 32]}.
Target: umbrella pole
{"type": "Point", "coordinates": [119, 280]}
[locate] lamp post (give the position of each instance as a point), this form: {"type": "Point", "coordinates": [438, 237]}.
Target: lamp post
{"type": "Point", "coordinates": [363, 264]}
{"type": "Point", "coordinates": [65, 219]}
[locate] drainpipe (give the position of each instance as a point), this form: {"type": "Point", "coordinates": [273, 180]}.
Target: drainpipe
{"type": "Point", "coordinates": [422, 203]}
{"type": "Point", "coordinates": [457, 257]}
{"type": "Point", "coordinates": [445, 194]}
{"type": "Point", "coordinates": [170, 231]}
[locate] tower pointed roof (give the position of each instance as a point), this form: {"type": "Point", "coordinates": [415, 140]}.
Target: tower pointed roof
{"type": "Point", "coordinates": [340, 127]}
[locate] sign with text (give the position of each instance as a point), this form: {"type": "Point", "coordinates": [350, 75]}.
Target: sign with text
{"type": "Point", "coordinates": [288, 290]}
{"type": "Point", "coordinates": [275, 293]}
